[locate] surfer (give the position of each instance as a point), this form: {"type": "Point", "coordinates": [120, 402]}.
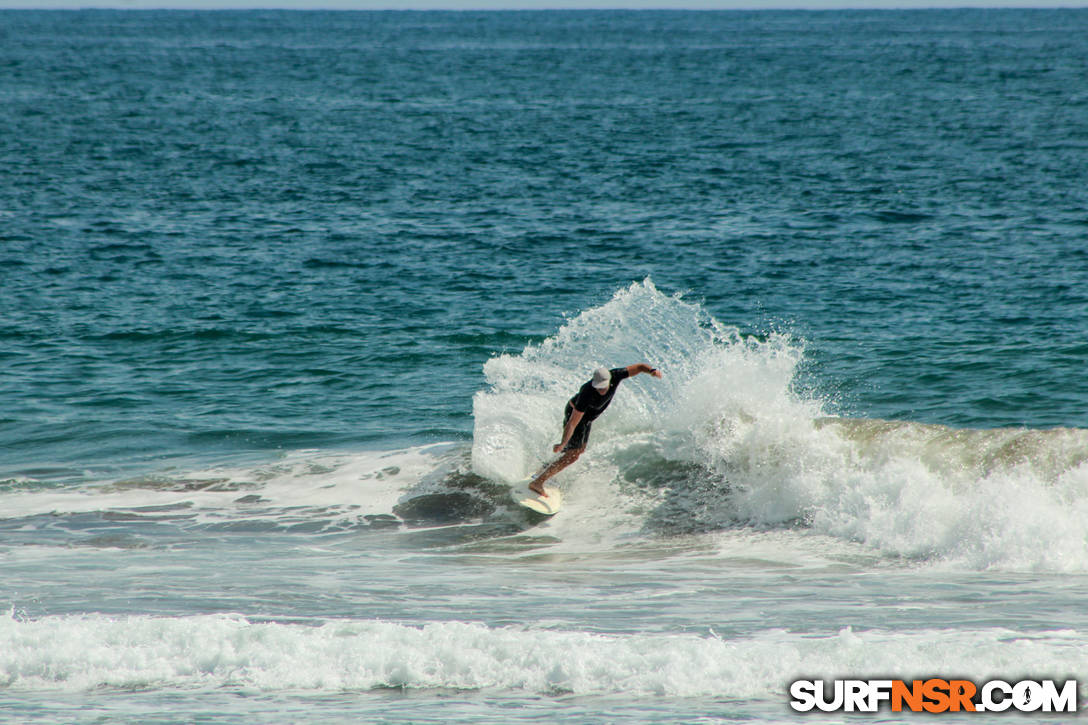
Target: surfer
{"type": "Point", "coordinates": [581, 411]}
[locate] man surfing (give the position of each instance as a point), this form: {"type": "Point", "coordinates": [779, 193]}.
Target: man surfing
{"type": "Point", "coordinates": [581, 411]}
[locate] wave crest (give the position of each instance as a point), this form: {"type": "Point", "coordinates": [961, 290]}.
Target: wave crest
{"type": "Point", "coordinates": [88, 652]}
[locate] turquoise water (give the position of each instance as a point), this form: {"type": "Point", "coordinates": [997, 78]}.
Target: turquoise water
{"type": "Point", "coordinates": [288, 300]}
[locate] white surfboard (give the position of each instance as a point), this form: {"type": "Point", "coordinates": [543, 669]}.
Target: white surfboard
{"type": "Point", "coordinates": [547, 504]}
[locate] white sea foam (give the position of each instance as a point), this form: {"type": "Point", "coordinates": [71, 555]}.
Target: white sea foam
{"type": "Point", "coordinates": [300, 480]}
{"type": "Point", "coordinates": [765, 455]}
{"type": "Point", "coordinates": [79, 653]}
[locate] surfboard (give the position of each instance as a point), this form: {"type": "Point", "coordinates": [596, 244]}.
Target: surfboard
{"type": "Point", "coordinates": [547, 505]}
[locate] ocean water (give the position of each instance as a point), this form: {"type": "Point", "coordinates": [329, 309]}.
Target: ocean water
{"type": "Point", "coordinates": [289, 300]}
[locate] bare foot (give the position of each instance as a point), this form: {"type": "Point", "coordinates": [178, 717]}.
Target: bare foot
{"type": "Point", "coordinates": [538, 491]}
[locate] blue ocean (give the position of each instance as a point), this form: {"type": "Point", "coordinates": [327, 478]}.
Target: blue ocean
{"type": "Point", "coordinates": [289, 301]}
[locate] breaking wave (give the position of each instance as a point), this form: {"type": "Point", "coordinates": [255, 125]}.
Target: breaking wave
{"type": "Point", "coordinates": [88, 652]}
{"type": "Point", "coordinates": [726, 439]}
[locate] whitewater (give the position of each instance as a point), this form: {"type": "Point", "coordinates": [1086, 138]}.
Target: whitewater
{"type": "Point", "coordinates": [726, 439]}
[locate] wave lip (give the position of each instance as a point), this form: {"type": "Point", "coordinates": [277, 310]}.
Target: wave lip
{"type": "Point", "coordinates": [81, 653]}
{"type": "Point", "coordinates": [518, 416]}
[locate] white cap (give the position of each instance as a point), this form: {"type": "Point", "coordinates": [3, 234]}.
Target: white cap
{"type": "Point", "coordinates": [602, 379]}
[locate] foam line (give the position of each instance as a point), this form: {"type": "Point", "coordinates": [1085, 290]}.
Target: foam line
{"type": "Point", "coordinates": [81, 653]}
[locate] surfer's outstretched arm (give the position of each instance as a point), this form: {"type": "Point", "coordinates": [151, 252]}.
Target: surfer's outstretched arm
{"type": "Point", "coordinates": [633, 370]}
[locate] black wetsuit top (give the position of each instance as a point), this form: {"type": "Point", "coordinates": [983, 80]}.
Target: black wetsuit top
{"type": "Point", "coordinates": [593, 403]}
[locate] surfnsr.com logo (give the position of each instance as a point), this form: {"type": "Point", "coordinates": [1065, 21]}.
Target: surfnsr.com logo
{"type": "Point", "coordinates": [934, 695]}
